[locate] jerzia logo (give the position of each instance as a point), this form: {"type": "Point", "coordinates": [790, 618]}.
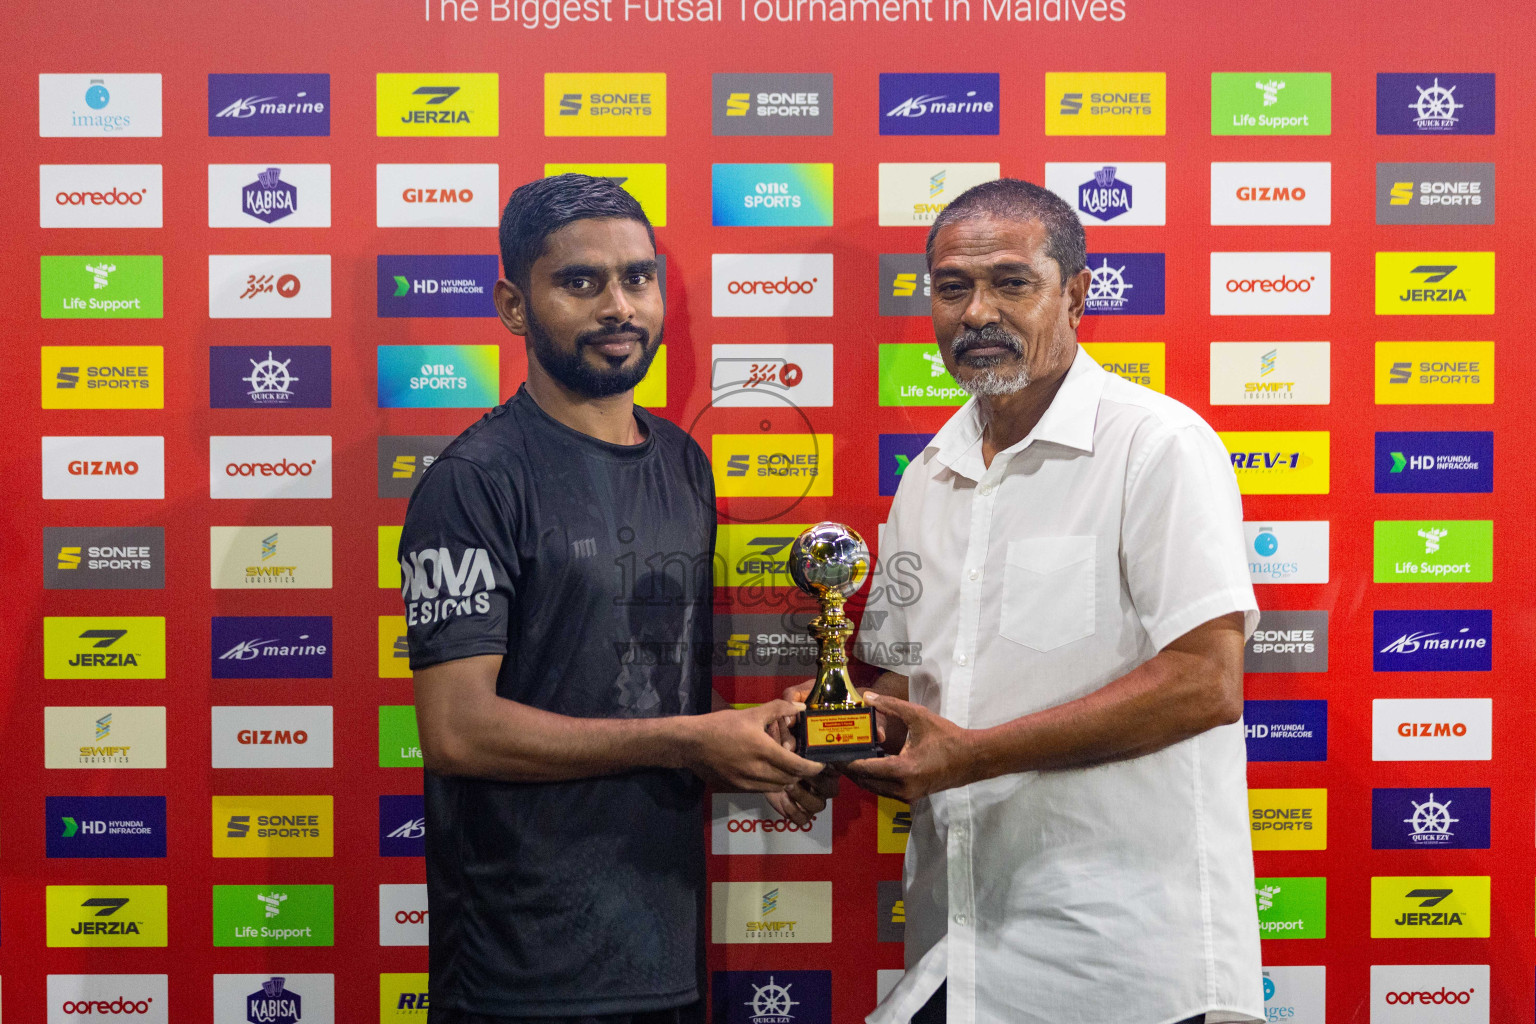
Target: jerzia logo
{"type": "Point", "coordinates": [437, 105]}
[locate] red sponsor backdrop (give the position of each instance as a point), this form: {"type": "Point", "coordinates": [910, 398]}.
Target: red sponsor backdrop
{"type": "Point", "coordinates": [186, 42]}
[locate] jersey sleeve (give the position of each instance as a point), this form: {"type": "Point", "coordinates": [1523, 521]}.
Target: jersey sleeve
{"type": "Point", "coordinates": [1182, 537]}
{"type": "Point", "coordinates": [457, 565]}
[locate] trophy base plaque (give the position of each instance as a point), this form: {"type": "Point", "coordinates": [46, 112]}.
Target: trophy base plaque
{"type": "Point", "coordinates": [836, 735]}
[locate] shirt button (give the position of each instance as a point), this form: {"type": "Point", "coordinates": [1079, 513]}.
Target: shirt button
{"type": "Point", "coordinates": [975, 574]}
{"type": "Point", "coordinates": [960, 659]}
{"type": "Point", "coordinates": [959, 831]}
{"type": "Point", "coordinates": [987, 489]}
{"type": "Point", "coordinates": [961, 920]}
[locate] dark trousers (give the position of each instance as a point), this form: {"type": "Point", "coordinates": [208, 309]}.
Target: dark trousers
{"type": "Point", "coordinates": [693, 1014]}
{"type": "Point", "coordinates": [933, 1011]}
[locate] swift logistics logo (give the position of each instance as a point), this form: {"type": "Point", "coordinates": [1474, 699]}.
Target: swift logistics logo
{"type": "Point", "coordinates": [904, 285]}
{"type": "Point", "coordinates": [1271, 373]}
{"type": "Point", "coordinates": [99, 196]}
{"type": "Point", "coordinates": [1271, 283]}
{"type": "Point", "coordinates": [98, 106]}
{"type": "Point", "coordinates": [103, 376]}
{"type": "Point", "coordinates": [912, 195]}
{"type": "Point", "coordinates": [1434, 283]}
{"type": "Point", "coordinates": [646, 182]}
{"type": "Point", "coordinates": [916, 375]}
{"type": "Point", "coordinates": [896, 453]}
{"type": "Point", "coordinates": [1432, 729]}
{"type": "Point", "coordinates": [437, 286]}
{"type": "Point", "coordinates": [1292, 908]}
{"type": "Point", "coordinates": [264, 106]}
{"type": "Point", "coordinates": [780, 104]}
{"type": "Point", "coordinates": [1119, 194]}
{"type": "Point", "coordinates": [1140, 362]}
{"type": "Point", "coordinates": [290, 736]}
{"type": "Point", "coordinates": [104, 647]}
{"type": "Point", "coordinates": [1426, 640]}
{"type": "Point", "coordinates": [1271, 193]}
{"type": "Point", "coordinates": [103, 558]}
{"type": "Point", "coordinates": [271, 647]}
{"type": "Point", "coordinates": [106, 915]}
{"type": "Point", "coordinates": [402, 459]}
{"type": "Point", "coordinates": [97, 287]}
{"type": "Point", "coordinates": [394, 648]}
{"type": "Point", "coordinates": [1443, 818]}
{"type": "Point", "coordinates": [1429, 994]}
{"type": "Point", "coordinates": [771, 195]}
{"type": "Point", "coordinates": [1286, 730]}
{"type": "Point", "coordinates": [1430, 907]}
{"type": "Point", "coordinates": [1434, 103]}
{"type": "Point", "coordinates": [1126, 284]}
{"type": "Point", "coordinates": [1271, 103]}
{"type": "Point", "coordinates": [105, 826]}
{"type": "Point", "coordinates": [438, 376]}
{"type": "Point", "coordinates": [274, 915]}
{"type": "Point", "coordinates": [269, 557]}
{"type": "Point", "coordinates": [755, 465]}
{"type": "Point", "coordinates": [1279, 461]}
{"type": "Point", "coordinates": [771, 376]}
{"type": "Point", "coordinates": [1434, 462]}
{"type": "Point", "coordinates": [939, 104]}
{"type": "Point", "coordinates": [273, 826]}
{"type": "Point", "coordinates": [265, 196]}
{"type": "Point", "coordinates": [1287, 552]}
{"type": "Point", "coordinates": [1434, 373]}
{"type": "Point", "coordinates": [284, 287]}
{"type": "Point", "coordinates": [1106, 103]}
{"type": "Point", "coordinates": [269, 377]}
{"type": "Point", "coordinates": [1288, 641]}
{"type": "Point", "coordinates": [399, 740]}
{"type": "Point", "coordinates": [771, 912]}
{"type": "Point", "coordinates": [437, 105]}
{"type": "Point", "coordinates": [1434, 551]}
{"type": "Point", "coordinates": [402, 826]}
{"type": "Point", "coordinates": [1434, 194]}
{"type": "Point", "coordinates": [97, 737]}
{"type": "Point", "coordinates": [1288, 819]}
{"type": "Point", "coordinates": [772, 997]}
{"type": "Point", "coordinates": [613, 104]}
{"type": "Point", "coordinates": [437, 195]}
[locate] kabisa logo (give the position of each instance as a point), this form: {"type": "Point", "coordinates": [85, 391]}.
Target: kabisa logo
{"type": "Point", "coordinates": [437, 105]}
{"type": "Point", "coordinates": [1422, 819]}
{"type": "Point", "coordinates": [269, 466]}
{"type": "Point", "coordinates": [269, 377]}
{"type": "Point", "coordinates": [1118, 194]}
{"type": "Point", "coordinates": [105, 826]}
{"type": "Point", "coordinates": [1271, 283]}
{"type": "Point", "coordinates": [1288, 819]}
{"type": "Point", "coordinates": [402, 826]}
{"type": "Point", "coordinates": [1265, 103]}
{"type": "Point", "coordinates": [771, 195]}
{"type": "Point", "coordinates": [1279, 462]}
{"type": "Point", "coordinates": [1286, 730]}
{"type": "Point", "coordinates": [771, 376]}
{"type": "Point", "coordinates": [440, 584]}
{"type": "Point", "coordinates": [452, 286]}
{"type": "Point", "coordinates": [403, 459]}
{"type": "Point", "coordinates": [896, 453]}
{"type": "Point", "coordinates": [779, 104]}
{"type": "Point", "coordinates": [274, 1003]}
{"type": "Point", "coordinates": [771, 284]}
{"type": "Point", "coordinates": [1435, 193]}
{"type": "Point", "coordinates": [1447, 906]}
{"type": "Point", "coordinates": [99, 196]}
{"type": "Point", "coordinates": [1439, 551]}
{"type": "Point", "coordinates": [1432, 641]}
{"type": "Point", "coordinates": [103, 377]}
{"type": "Point", "coordinates": [96, 106]}
{"type": "Point", "coordinates": [1106, 103]}
{"type": "Point", "coordinates": [939, 104]}
{"type": "Point", "coordinates": [269, 198]}
{"type": "Point", "coordinates": [106, 915]}
{"type": "Point", "coordinates": [773, 997]}
{"type": "Point", "coordinates": [1105, 197]}
{"type": "Point", "coordinates": [1434, 462]}
{"type": "Point", "coordinates": [1432, 729]}
{"type": "Point", "coordinates": [438, 376]}
{"type": "Point", "coordinates": [1434, 283]}
{"type": "Point", "coordinates": [1288, 641]}
{"type": "Point", "coordinates": [1434, 104]}
{"type": "Point", "coordinates": [262, 196]}
{"type": "Point", "coordinates": [915, 194]}
{"type": "Point", "coordinates": [262, 106]}
{"type": "Point", "coordinates": [119, 647]}
{"type": "Point", "coordinates": [94, 287]}
{"type": "Point", "coordinates": [1287, 552]}
{"type": "Point", "coordinates": [633, 104]}
{"type": "Point", "coordinates": [103, 558]}
{"type": "Point", "coordinates": [437, 195]}
{"type": "Point", "coordinates": [1125, 283]}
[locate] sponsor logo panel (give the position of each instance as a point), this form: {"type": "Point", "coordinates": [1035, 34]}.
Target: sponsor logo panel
{"type": "Point", "coordinates": [436, 286]}
{"type": "Point", "coordinates": [269, 377]}
{"type": "Point", "coordinates": [268, 999]}
{"type": "Point", "coordinates": [403, 915]}
{"type": "Point", "coordinates": [399, 741]}
{"type": "Point", "coordinates": [771, 376]}
{"type": "Point", "coordinates": [1126, 283]}
{"type": "Point", "coordinates": [940, 104]}
{"type": "Point", "coordinates": [1288, 819]}
{"type": "Point", "coordinates": [1443, 818]}
{"type": "Point", "coordinates": [1279, 461]}
{"type": "Point", "coordinates": [914, 194]}
{"type": "Point", "coordinates": [1271, 103]}
{"type": "Point", "coordinates": [402, 998]}
{"type": "Point", "coordinates": [104, 737]}
{"type": "Point", "coordinates": [1434, 551]}
{"type": "Point", "coordinates": [771, 104]}
{"type": "Point", "coordinates": [98, 106]}
{"type": "Point", "coordinates": [269, 557]}
{"type": "Point", "coordinates": [1434, 462]}
{"type": "Point", "coordinates": [1295, 994]}
{"type": "Point", "coordinates": [891, 912]}
{"type": "Point", "coordinates": [105, 826]}
{"type": "Point", "coordinates": [402, 826]}
{"type": "Point", "coordinates": [103, 558]}
{"type": "Point", "coordinates": [274, 915]}
{"type": "Point", "coordinates": [106, 915]}
{"type": "Point", "coordinates": [651, 392]}
{"type": "Point", "coordinates": [1434, 373]}
{"type": "Point", "coordinates": [771, 195]}
{"type": "Point", "coordinates": [771, 912]}
{"type": "Point", "coordinates": [141, 998]}
{"type": "Point", "coordinates": [1106, 103]}
{"type": "Point", "coordinates": [1423, 640]}
{"type": "Point", "coordinates": [1430, 907]}
{"type": "Point", "coordinates": [1286, 730]}
{"type": "Point", "coordinates": [103, 376]}
{"type": "Point", "coordinates": [1271, 283]}
{"type": "Point", "coordinates": [273, 826]}
{"type": "Point", "coordinates": [1434, 283]}
{"type": "Point", "coordinates": [106, 468]}
{"type": "Point", "coordinates": [394, 648]}
{"type": "Point", "coordinates": [1434, 103]}
{"type": "Point", "coordinates": [1119, 195]}
{"type": "Point", "coordinates": [294, 736]}
{"type": "Point", "coordinates": [1429, 994]}
{"type": "Point", "coordinates": [632, 104]}
{"type": "Point", "coordinates": [905, 288]}
{"type": "Point", "coordinates": [1271, 373]}
{"type": "Point", "coordinates": [747, 823]}
{"type": "Point", "coordinates": [269, 466]}
{"type": "Point", "coordinates": [771, 284]}
{"type": "Point", "coordinates": [749, 465]}
{"type": "Point", "coordinates": [437, 105]}
{"type": "Point", "coordinates": [1432, 193]}
{"type": "Point", "coordinates": [98, 287]}
{"type": "Point", "coordinates": [1288, 641]}
{"type": "Point", "coordinates": [754, 554]}
{"type": "Point", "coordinates": [1271, 193]}
{"type": "Point", "coordinates": [99, 196]}
{"type": "Point", "coordinates": [893, 819]}
{"type": "Point", "coordinates": [389, 558]}
{"type": "Point", "coordinates": [915, 375]}
{"type": "Point", "coordinates": [1140, 362]}
{"type": "Point", "coordinates": [646, 182]}
{"type": "Point", "coordinates": [280, 287]}
{"type": "Point", "coordinates": [1287, 552]}
{"type": "Point", "coordinates": [896, 453]}
{"type": "Point", "coordinates": [437, 195]}
{"type": "Point", "coordinates": [763, 997]}
{"type": "Point", "coordinates": [439, 376]}
{"type": "Point", "coordinates": [103, 647]}
{"type": "Point", "coordinates": [266, 196]}
{"type": "Point", "coordinates": [1292, 908]}
{"type": "Point", "coordinates": [264, 106]}
{"type": "Point", "coordinates": [1432, 729]}
{"type": "Point", "coordinates": [403, 458]}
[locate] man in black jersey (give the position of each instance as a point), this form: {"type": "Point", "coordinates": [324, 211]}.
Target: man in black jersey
{"type": "Point", "coordinates": [557, 577]}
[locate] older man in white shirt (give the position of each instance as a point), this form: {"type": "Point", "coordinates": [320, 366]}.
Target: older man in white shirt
{"type": "Point", "coordinates": [1073, 747]}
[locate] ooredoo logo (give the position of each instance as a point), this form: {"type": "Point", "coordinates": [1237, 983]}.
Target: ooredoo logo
{"type": "Point", "coordinates": [112, 198]}
{"type": "Point", "coordinates": [438, 195]}
{"type": "Point", "coordinates": [140, 998]}
{"type": "Point", "coordinates": [1429, 994]}
{"type": "Point", "coordinates": [403, 915]}
{"type": "Point", "coordinates": [99, 196]}
{"type": "Point", "coordinates": [772, 284]}
{"type": "Point", "coordinates": [269, 467]}
{"type": "Point", "coordinates": [1270, 283]}
{"type": "Point", "coordinates": [745, 823]}
{"type": "Point", "coordinates": [103, 467]}
{"type": "Point", "coordinates": [783, 286]}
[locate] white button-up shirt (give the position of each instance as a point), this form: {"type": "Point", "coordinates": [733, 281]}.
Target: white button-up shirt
{"type": "Point", "coordinates": [1118, 894]}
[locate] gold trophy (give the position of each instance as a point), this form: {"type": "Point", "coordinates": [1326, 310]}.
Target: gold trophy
{"type": "Point", "coordinates": [830, 562]}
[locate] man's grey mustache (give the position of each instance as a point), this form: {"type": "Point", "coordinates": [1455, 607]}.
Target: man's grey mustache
{"type": "Point", "coordinates": [990, 336]}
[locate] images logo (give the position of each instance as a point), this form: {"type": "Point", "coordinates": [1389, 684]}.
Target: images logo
{"type": "Point", "coordinates": [754, 554]}
{"type": "Point", "coordinates": [1288, 819]}
{"type": "Point", "coordinates": [106, 826]}
{"type": "Point", "coordinates": [1434, 551]}
{"type": "Point", "coordinates": [272, 826]}
{"type": "Point", "coordinates": [1279, 462]}
{"type": "Point", "coordinates": [93, 647]}
{"type": "Point", "coordinates": [1272, 103]}
{"type": "Point", "coordinates": [939, 104]}
{"type": "Point", "coordinates": [1434, 373]}
{"type": "Point", "coordinates": [1434, 462]}
{"type": "Point", "coordinates": [1270, 373]}
{"type": "Point", "coordinates": [1429, 994]}
{"type": "Point", "coordinates": [1286, 730]}
{"type": "Point", "coordinates": [1106, 103]}
{"type": "Point", "coordinates": [437, 105]}
{"type": "Point", "coordinates": [269, 466]}
{"type": "Point", "coordinates": [1433, 641]}
{"type": "Point", "coordinates": [771, 104]}
{"type": "Point", "coordinates": [1434, 283]}
{"type": "Point", "coordinates": [1420, 819]}
{"type": "Point", "coordinates": [605, 104]}
{"type": "Point", "coordinates": [1287, 552]}
{"type": "Point", "coordinates": [914, 194]}
{"type": "Point", "coordinates": [771, 912]}
{"type": "Point", "coordinates": [1295, 993]}
{"type": "Point", "coordinates": [94, 287]}
{"type": "Point", "coordinates": [96, 106]}
{"type": "Point", "coordinates": [269, 377]}
{"type": "Point", "coordinates": [915, 375]}
{"type": "Point", "coordinates": [402, 826]}
{"type": "Point", "coordinates": [1270, 283]}
{"type": "Point", "coordinates": [1434, 194]}
{"type": "Point", "coordinates": [771, 284]}
{"type": "Point", "coordinates": [646, 182]}
{"type": "Point", "coordinates": [103, 558]}
{"type": "Point", "coordinates": [281, 287]}
{"type": "Point", "coordinates": [1140, 362]}
{"type": "Point", "coordinates": [897, 452]}
{"type": "Point", "coordinates": [403, 459]}
{"type": "Point", "coordinates": [1125, 283]}
{"type": "Point", "coordinates": [106, 915]}
{"type": "Point", "coordinates": [1441, 906]}
{"type": "Point", "coordinates": [772, 195]}
{"type": "Point", "coordinates": [1271, 193]}
{"type": "Point", "coordinates": [1434, 104]}
{"type": "Point", "coordinates": [1292, 908]}
{"type": "Point", "coordinates": [266, 915]}
{"type": "Point", "coordinates": [93, 737]}
{"type": "Point", "coordinates": [1432, 729]}
{"type": "Point", "coordinates": [103, 377]}
{"type": "Point", "coordinates": [262, 106]}
{"type": "Point", "coordinates": [438, 376]}
{"type": "Point", "coordinates": [1123, 194]}
{"type": "Point", "coordinates": [99, 195]}
{"type": "Point", "coordinates": [437, 286]}
{"type": "Point", "coordinates": [771, 376]}
{"type": "Point", "coordinates": [1288, 641]}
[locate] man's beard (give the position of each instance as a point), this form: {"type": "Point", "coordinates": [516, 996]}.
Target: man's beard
{"type": "Point", "coordinates": [990, 382]}
{"type": "Point", "coordinates": [572, 370]}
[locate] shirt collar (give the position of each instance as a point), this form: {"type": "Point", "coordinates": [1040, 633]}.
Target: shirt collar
{"type": "Point", "coordinates": [1069, 420]}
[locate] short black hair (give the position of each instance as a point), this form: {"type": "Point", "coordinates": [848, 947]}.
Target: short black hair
{"type": "Point", "coordinates": [540, 208]}
{"type": "Point", "coordinates": [1015, 199]}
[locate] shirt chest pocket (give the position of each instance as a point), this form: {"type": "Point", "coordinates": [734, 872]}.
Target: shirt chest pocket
{"type": "Point", "coordinates": [1049, 591]}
